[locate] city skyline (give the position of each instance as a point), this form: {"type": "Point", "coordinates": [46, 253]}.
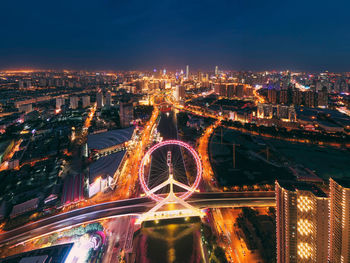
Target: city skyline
{"type": "Point", "coordinates": [174, 131]}
{"type": "Point", "coordinates": [137, 35]}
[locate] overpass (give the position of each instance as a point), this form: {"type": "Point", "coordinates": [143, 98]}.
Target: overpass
{"type": "Point", "coordinates": [134, 206]}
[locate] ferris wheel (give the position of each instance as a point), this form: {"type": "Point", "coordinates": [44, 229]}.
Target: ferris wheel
{"type": "Point", "coordinates": [152, 188]}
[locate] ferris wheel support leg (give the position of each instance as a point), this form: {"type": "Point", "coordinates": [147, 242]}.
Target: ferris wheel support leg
{"type": "Point", "coordinates": [186, 187]}
{"type": "Point", "coordinates": [158, 187]}
{"type": "Point", "coordinates": [158, 206]}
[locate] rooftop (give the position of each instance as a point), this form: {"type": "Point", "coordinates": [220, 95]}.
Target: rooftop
{"type": "Point", "coordinates": [302, 186]}
{"type": "Point", "coordinates": [344, 182]}
{"type": "Point", "coordinates": [110, 138]}
{"type": "Point", "coordinates": [106, 166]}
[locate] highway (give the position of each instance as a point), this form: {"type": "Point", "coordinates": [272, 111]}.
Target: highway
{"type": "Point", "coordinates": [133, 206]}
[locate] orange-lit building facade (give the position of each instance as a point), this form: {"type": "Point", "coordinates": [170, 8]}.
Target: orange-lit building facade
{"type": "Point", "coordinates": [301, 223]}
{"type": "Point", "coordinates": [339, 242]}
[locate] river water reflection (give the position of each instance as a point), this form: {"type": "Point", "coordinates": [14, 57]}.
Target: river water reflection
{"type": "Point", "coordinates": [170, 242]}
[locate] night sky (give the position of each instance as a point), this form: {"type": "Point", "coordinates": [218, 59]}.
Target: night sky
{"type": "Point", "coordinates": [303, 35]}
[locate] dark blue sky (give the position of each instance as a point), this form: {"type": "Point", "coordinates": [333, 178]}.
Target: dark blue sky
{"type": "Point", "coordinates": [133, 34]}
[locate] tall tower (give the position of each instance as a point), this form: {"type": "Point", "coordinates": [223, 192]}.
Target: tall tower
{"type": "Point", "coordinates": [187, 71]}
{"type": "Point", "coordinates": [216, 70]}
{"type": "Point", "coordinates": [126, 113]}
{"type": "Point", "coordinates": [99, 99]}
{"type": "Point", "coordinates": [73, 102]}
{"type": "Point", "coordinates": [86, 101]}
{"type": "Point", "coordinates": [339, 241]}
{"type": "Point", "coordinates": [108, 98]}
{"type": "Point", "coordinates": [301, 223]}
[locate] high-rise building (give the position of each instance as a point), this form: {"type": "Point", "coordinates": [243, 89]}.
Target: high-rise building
{"type": "Point", "coordinates": [339, 208]}
{"type": "Point", "coordinates": [99, 99]}
{"type": "Point", "coordinates": [240, 91]}
{"type": "Point", "coordinates": [126, 113]}
{"type": "Point", "coordinates": [301, 223]}
{"type": "Point", "coordinates": [231, 90]}
{"type": "Point", "coordinates": [60, 101]}
{"type": "Point", "coordinates": [29, 84]}
{"type": "Point", "coordinates": [322, 97]}
{"type": "Point", "coordinates": [220, 89]}
{"type": "Point", "coordinates": [26, 108]}
{"type": "Point", "coordinates": [297, 97]}
{"type": "Point", "coordinates": [179, 92]}
{"type": "Point", "coordinates": [265, 111]}
{"type": "Point", "coordinates": [216, 70]}
{"type": "Point", "coordinates": [187, 72]}
{"type": "Point", "coordinates": [108, 98]}
{"type": "Point", "coordinates": [272, 96]}
{"type": "Point", "coordinates": [20, 84]}
{"type": "Point", "coordinates": [283, 112]}
{"type": "Point", "coordinates": [284, 96]}
{"type": "Point", "coordinates": [73, 102]}
{"type": "Point", "coordinates": [86, 101]}
{"type": "Point", "coordinates": [292, 115]}
{"type": "Point", "coordinates": [309, 99]}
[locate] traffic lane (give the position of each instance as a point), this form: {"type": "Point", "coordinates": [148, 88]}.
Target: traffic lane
{"type": "Point", "coordinates": [121, 203]}
{"type": "Point", "coordinates": [75, 213]}
{"type": "Point", "coordinates": [67, 219]}
{"type": "Point", "coordinates": [196, 195]}
{"type": "Point", "coordinates": [25, 234]}
{"type": "Point", "coordinates": [134, 201]}
{"type": "Point", "coordinates": [234, 202]}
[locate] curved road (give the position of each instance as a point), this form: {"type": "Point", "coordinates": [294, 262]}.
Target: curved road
{"type": "Point", "coordinates": [133, 206]}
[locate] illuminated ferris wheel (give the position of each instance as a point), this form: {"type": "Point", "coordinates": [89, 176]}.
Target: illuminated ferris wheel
{"type": "Point", "coordinates": [167, 177]}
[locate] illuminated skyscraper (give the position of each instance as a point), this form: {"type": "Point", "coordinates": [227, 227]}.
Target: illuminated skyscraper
{"type": "Point", "coordinates": [179, 92]}
{"type": "Point", "coordinates": [216, 70]}
{"type": "Point", "coordinates": [187, 71]}
{"type": "Point", "coordinates": [272, 96]}
{"type": "Point", "coordinates": [301, 223]}
{"type": "Point", "coordinates": [99, 99]}
{"type": "Point", "coordinates": [86, 101]}
{"type": "Point", "coordinates": [73, 102]}
{"type": "Point", "coordinates": [60, 101]}
{"type": "Point", "coordinates": [284, 96]}
{"type": "Point", "coordinates": [339, 242]}
{"type": "Point", "coordinates": [126, 113]}
{"type": "Point", "coordinates": [322, 97]}
{"type": "Point", "coordinates": [108, 98]}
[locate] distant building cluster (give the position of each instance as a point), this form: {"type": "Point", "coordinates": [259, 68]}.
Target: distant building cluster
{"type": "Point", "coordinates": [233, 90]}
{"type": "Point", "coordinates": [283, 112]}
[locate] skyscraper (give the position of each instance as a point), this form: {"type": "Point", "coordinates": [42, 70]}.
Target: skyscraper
{"type": "Point", "coordinates": [339, 208]}
{"type": "Point", "coordinates": [297, 97]}
{"type": "Point", "coordinates": [86, 101]}
{"type": "Point", "coordinates": [108, 98]}
{"type": "Point", "coordinates": [73, 102]}
{"type": "Point", "coordinates": [99, 99]}
{"type": "Point", "coordinates": [301, 223]}
{"type": "Point", "coordinates": [179, 92]}
{"type": "Point", "coordinates": [59, 102]}
{"type": "Point", "coordinates": [187, 71]}
{"type": "Point", "coordinates": [284, 96]}
{"type": "Point", "coordinates": [272, 96]}
{"type": "Point", "coordinates": [216, 70]}
{"type": "Point", "coordinates": [126, 113]}
{"type": "Point", "coordinates": [309, 98]}
{"type": "Point", "coordinates": [322, 97]}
